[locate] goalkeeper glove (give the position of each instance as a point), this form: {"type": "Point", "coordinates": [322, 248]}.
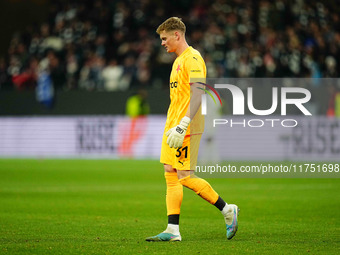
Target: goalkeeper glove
{"type": "Point", "coordinates": [176, 134]}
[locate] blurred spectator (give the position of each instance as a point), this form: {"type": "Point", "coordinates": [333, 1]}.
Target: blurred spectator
{"type": "Point", "coordinates": [44, 90]}
{"type": "Point", "coordinates": [72, 68]}
{"type": "Point", "coordinates": [57, 70]}
{"type": "Point", "coordinates": [137, 105]}
{"type": "Point", "coordinates": [331, 67]}
{"type": "Point", "coordinates": [97, 67]}
{"type": "Point", "coordinates": [129, 74]}
{"type": "Point", "coordinates": [4, 77]}
{"type": "Point", "coordinates": [112, 75]}
{"type": "Point", "coordinates": [14, 66]}
{"type": "Point", "coordinates": [85, 79]}
{"type": "Point", "coordinates": [28, 77]}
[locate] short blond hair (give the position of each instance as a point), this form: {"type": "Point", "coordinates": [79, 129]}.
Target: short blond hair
{"type": "Point", "coordinates": [172, 24]}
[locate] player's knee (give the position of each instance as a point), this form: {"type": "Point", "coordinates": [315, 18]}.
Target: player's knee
{"type": "Point", "coordinates": [169, 169]}
{"type": "Point", "coordinates": [183, 174]}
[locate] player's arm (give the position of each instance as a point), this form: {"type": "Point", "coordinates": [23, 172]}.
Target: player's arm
{"type": "Point", "coordinates": [196, 91]}
{"type": "Point", "coordinates": [176, 134]}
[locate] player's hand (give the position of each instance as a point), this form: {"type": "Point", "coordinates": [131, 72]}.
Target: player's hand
{"type": "Point", "coordinates": [176, 134]}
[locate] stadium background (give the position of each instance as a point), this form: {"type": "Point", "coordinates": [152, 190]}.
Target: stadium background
{"type": "Point", "coordinates": [67, 71]}
{"type": "Point", "coordinates": [101, 46]}
{"type": "Point", "coordinates": [87, 58]}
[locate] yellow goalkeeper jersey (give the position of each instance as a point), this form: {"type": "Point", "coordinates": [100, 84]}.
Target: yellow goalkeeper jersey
{"type": "Point", "coordinates": [188, 66]}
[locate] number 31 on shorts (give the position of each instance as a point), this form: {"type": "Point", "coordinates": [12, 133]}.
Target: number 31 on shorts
{"type": "Point", "coordinates": [182, 150]}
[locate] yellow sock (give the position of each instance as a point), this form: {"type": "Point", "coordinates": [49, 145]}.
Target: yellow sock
{"type": "Point", "coordinates": [174, 193]}
{"type": "Point", "coordinates": [201, 187]}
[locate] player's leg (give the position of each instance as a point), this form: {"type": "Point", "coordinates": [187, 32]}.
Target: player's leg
{"type": "Point", "coordinates": [174, 196]}
{"type": "Point", "coordinates": [201, 187]}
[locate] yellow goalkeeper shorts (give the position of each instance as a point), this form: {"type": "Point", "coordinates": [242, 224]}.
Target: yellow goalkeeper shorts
{"type": "Point", "coordinates": [184, 158]}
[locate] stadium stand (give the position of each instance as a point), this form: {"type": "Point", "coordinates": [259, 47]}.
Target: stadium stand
{"type": "Point", "coordinates": [111, 45]}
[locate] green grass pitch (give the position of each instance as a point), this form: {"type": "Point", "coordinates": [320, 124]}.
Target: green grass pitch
{"type": "Point", "coordinates": [110, 206]}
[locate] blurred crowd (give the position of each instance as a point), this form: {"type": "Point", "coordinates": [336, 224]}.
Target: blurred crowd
{"type": "Point", "coordinates": [112, 45]}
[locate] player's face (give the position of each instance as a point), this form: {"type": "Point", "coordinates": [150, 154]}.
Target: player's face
{"type": "Point", "coordinates": [169, 40]}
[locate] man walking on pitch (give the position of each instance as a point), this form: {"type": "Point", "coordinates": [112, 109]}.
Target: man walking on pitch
{"type": "Point", "coordinates": [183, 130]}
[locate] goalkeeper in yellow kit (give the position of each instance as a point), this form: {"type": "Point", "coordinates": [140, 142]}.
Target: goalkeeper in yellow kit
{"type": "Point", "coordinates": [183, 129]}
